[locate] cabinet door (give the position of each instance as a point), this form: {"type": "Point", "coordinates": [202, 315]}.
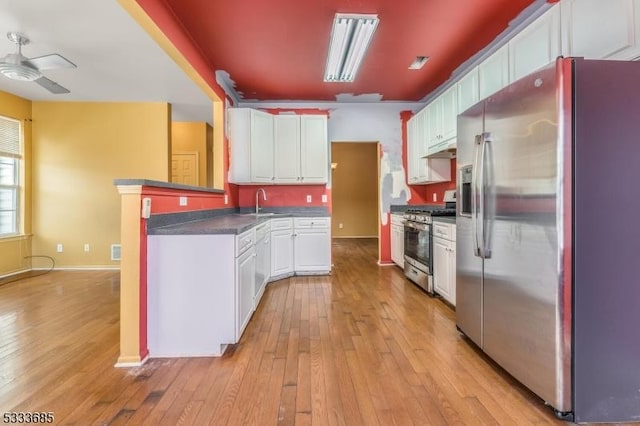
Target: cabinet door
{"type": "Point", "coordinates": [597, 29]}
{"type": "Point", "coordinates": [263, 267]}
{"type": "Point", "coordinates": [281, 252]}
{"type": "Point", "coordinates": [493, 72]}
{"type": "Point", "coordinates": [312, 250]}
{"type": "Point", "coordinates": [452, 272]}
{"type": "Point", "coordinates": [434, 117]}
{"type": "Point", "coordinates": [535, 46]}
{"type": "Point", "coordinates": [287, 149]}
{"type": "Point", "coordinates": [397, 245]}
{"type": "Point", "coordinates": [314, 149]}
{"type": "Point", "coordinates": [441, 281]}
{"type": "Point", "coordinates": [468, 90]}
{"type": "Point", "coordinates": [245, 287]}
{"type": "Point", "coordinates": [449, 113]}
{"type": "Point", "coordinates": [262, 154]}
{"type": "Point", "coordinates": [420, 149]}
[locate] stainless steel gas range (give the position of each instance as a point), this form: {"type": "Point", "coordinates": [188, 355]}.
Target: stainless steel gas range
{"type": "Point", "coordinates": [418, 239]}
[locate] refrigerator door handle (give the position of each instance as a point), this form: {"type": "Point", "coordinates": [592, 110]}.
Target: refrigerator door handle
{"type": "Point", "coordinates": [488, 212]}
{"type": "Point", "coordinates": [474, 196]}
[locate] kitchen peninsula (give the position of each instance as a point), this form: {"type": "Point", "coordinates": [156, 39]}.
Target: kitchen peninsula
{"type": "Point", "coordinates": [206, 269]}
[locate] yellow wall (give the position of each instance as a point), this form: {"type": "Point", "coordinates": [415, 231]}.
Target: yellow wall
{"type": "Point", "coordinates": [192, 137]}
{"type": "Point", "coordinates": [354, 191]}
{"type": "Point", "coordinates": [79, 148]}
{"type": "Point", "coordinates": [13, 250]}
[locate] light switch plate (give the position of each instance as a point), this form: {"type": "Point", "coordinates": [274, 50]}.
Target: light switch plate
{"type": "Point", "coordinates": [435, 197]}
{"type": "Point", "coordinates": [324, 198]}
{"type": "Point", "coordinates": [308, 198]}
{"type": "Point", "coordinates": [183, 201]}
{"type": "Point", "coordinates": [226, 199]}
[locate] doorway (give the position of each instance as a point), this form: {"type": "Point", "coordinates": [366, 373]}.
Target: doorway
{"type": "Point", "coordinates": [354, 189]}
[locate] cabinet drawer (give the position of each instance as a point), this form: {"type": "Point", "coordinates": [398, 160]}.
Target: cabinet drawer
{"type": "Point", "coordinates": [442, 230]}
{"type": "Point", "coordinates": [244, 241]}
{"type": "Point", "coordinates": [311, 222]}
{"type": "Point", "coordinates": [283, 223]}
{"type": "Point", "coordinates": [397, 219]}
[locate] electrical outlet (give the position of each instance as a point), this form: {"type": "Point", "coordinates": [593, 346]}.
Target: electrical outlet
{"type": "Point", "coordinates": [226, 199]}
{"type": "Point", "coordinates": [86, 248]}
{"type": "Point", "coordinates": [324, 198]}
{"type": "Point", "coordinates": [59, 248]}
{"type": "Point", "coordinates": [435, 197]}
{"type": "Point", "coordinates": [183, 201]}
{"type": "Point", "coordinates": [308, 198]}
{"type": "Point", "coordinates": [340, 225]}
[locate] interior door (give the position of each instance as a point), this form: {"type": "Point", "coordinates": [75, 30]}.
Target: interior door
{"type": "Point", "coordinates": [184, 168]}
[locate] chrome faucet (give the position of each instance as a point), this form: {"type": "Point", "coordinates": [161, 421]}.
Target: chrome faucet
{"type": "Point", "coordinates": [264, 198]}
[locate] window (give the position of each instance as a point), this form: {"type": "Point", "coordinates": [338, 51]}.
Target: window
{"type": "Point", "coordinates": [10, 161]}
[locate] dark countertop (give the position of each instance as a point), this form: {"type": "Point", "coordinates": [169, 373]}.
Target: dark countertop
{"type": "Point", "coordinates": [447, 219]}
{"type": "Point", "coordinates": [226, 224]}
{"type": "Point", "coordinates": [167, 185]}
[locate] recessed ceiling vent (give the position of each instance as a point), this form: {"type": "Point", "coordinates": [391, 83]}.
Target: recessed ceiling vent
{"type": "Point", "coordinates": [418, 63]}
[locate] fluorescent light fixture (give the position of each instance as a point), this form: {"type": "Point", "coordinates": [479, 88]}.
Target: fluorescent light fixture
{"type": "Point", "coordinates": [350, 38]}
{"type": "Point", "coordinates": [418, 63]}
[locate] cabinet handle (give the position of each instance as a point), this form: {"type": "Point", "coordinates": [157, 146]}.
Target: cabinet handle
{"type": "Point", "coordinates": [273, 178]}
{"type": "Point", "coordinates": [302, 178]}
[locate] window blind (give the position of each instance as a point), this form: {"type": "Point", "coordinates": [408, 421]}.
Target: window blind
{"type": "Point", "coordinates": [9, 137]}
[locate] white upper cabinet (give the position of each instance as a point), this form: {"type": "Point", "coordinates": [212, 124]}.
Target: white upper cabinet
{"type": "Point", "coordinates": [251, 136]}
{"type": "Point", "coordinates": [282, 149]}
{"type": "Point", "coordinates": [417, 133]}
{"type": "Point", "coordinates": [262, 153]}
{"type": "Point", "coordinates": [287, 148]}
{"type": "Point", "coordinates": [597, 29]}
{"type": "Point", "coordinates": [493, 72]}
{"type": "Point", "coordinates": [468, 90]}
{"type": "Point", "coordinates": [449, 114]}
{"type": "Point", "coordinates": [442, 115]}
{"type": "Point", "coordinates": [535, 46]}
{"type": "Point", "coordinates": [314, 149]}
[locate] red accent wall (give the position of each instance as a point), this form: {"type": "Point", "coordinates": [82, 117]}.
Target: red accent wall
{"type": "Point", "coordinates": [142, 302]}
{"type": "Point", "coordinates": [284, 195]}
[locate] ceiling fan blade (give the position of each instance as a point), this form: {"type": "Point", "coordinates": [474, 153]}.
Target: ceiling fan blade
{"type": "Point", "coordinates": [51, 86]}
{"type": "Point", "coordinates": [49, 62]}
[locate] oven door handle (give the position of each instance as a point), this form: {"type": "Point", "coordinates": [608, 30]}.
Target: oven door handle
{"type": "Point", "coordinates": [418, 226]}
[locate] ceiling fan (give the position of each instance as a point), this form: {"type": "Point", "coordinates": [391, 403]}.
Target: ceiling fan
{"type": "Point", "coordinates": [16, 66]}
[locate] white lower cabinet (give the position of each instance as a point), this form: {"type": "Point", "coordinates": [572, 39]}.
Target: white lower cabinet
{"type": "Point", "coordinates": [245, 276]}
{"type": "Point", "coordinates": [200, 292]}
{"type": "Point", "coordinates": [263, 261]}
{"type": "Point", "coordinates": [312, 242]}
{"type": "Point", "coordinates": [397, 240]}
{"type": "Point", "coordinates": [444, 260]}
{"type": "Point", "coordinates": [281, 248]}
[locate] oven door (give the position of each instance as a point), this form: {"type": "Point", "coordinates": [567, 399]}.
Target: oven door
{"type": "Point", "coordinates": [417, 245]}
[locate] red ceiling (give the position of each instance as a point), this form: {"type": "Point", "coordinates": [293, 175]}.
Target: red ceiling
{"type": "Point", "coordinates": [276, 49]}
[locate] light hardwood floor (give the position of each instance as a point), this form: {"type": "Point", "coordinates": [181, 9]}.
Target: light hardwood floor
{"type": "Point", "coordinates": [360, 347]}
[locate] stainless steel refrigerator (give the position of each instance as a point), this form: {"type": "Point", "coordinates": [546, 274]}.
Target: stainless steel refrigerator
{"type": "Point", "coordinates": [548, 235]}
